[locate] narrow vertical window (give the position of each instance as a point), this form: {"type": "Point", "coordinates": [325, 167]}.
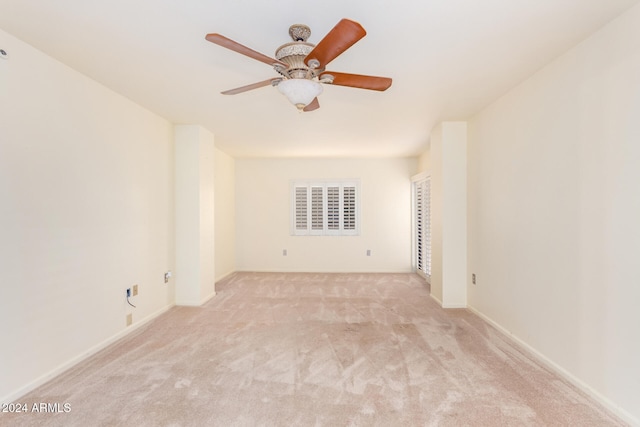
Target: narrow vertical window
{"type": "Point", "coordinates": [427, 228]}
{"type": "Point", "coordinates": [422, 224]}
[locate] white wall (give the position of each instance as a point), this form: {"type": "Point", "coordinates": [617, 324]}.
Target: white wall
{"type": "Point", "coordinates": [424, 160]}
{"type": "Point", "coordinates": [195, 215]}
{"type": "Point", "coordinates": [554, 208]}
{"type": "Point", "coordinates": [449, 214]}
{"type": "Point", "coordinates": [225, 211]}
{"type": "Point", "coordinates": [435, 152]}
{"type": "Point", "coordinates": [263, 204]}
{"type": "Point", "coordinates": [86, 211]}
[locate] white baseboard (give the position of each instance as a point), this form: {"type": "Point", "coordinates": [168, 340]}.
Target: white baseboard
{"type": "Point", "coordinates": [436, 299]}
{"type": "Point", "coordinates": [188, 303]}
{"type": "Point", "coordinates": [447, 306]}
{"type": "Point", "coordinates": [12, 397]}
{"type": "Point", "coordinates": [206, 299]}
{"type": "Point", "coordinates": [304, 271]}
{"type": "Point", "coordinates": [617, 410]}
{"type": "Point", "coordinates": [225, 276]}
{"type": "Point", "coordinates": [195, 303]}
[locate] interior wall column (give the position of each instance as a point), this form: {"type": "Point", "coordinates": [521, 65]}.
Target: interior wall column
{"type": "Point", "coordinates": [194, 186]}
{"type": "Point", "coordinates": [449, 214]}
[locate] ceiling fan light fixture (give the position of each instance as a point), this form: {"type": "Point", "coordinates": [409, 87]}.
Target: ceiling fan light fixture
{"type": "Point", "coordinates": [300, 92]}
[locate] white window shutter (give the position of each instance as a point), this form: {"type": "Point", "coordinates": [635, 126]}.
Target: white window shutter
{"type": "Point", "coordinates": [300, 210]}
{"type": "Point", "coordinates": [349, 210]}
{"type": "Point", "coordinates": [333, 208]}
{"type": "Point", "coordinates": [325, 208]}
{"type": "Point", "coordinates": [317, 210]}
{"type": "Point", "coordinates": [423, 226]}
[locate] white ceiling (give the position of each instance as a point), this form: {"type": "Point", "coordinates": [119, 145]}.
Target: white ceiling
{"type": "Point", "coordinates": [447, 58]}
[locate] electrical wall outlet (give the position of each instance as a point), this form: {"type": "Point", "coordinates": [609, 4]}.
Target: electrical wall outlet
{"type": "Point", "coordinates": [129, 319]}
{"type": "Point", "coordinates": [167, 276]}
{"type": "Point", "coordinates": [135, 290]}
{"type": "Point", "coordinates": [368, 252]}
{"type": "Point", "coordinates": [473, 278]}
{"type": "Point", "coordinates": [284, 252]}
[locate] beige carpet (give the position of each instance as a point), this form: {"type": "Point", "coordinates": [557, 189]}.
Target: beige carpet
{"type": "Point", "coordinates": [314, 350]}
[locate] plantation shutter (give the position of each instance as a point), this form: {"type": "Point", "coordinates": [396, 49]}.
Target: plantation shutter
{"type": "Point", "coordinates": [349, 209]}
{"type": "Point", "coordinates": [301, 210]}
{"type": "Point", "coordinates": [317, 209]}
{"type": "Point", "coordinates": [423, 226]}
{"type": "Point", "coordinates": [325, 208]}
{"type": "Point", "coordinates": [333, 208]}
{"type": "Point", "coordinates": [427, 228]}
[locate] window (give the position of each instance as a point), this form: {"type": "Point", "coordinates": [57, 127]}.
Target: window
{"type": "Point", "coordinates": [422, 224]}
{"type": "Point", "coordinates": [325, 208]}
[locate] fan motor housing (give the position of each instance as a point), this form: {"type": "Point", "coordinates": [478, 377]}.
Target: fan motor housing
{"type": "Point", "coordinates": [293, 55]}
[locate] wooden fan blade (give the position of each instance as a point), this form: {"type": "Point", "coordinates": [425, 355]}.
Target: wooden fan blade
{"type": "Point", "coordinates": [237, 47]}
{"type": "Point", "coordinates": [339, 39]}
{"type": "Point", "coordinates": [359, 81]}
{"type": "Point", "coordinates": [313, 105]}
{"type": "Point", "coordinates": [249, 87]}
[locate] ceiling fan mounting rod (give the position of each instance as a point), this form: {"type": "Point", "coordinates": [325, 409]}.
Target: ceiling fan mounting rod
{"type": "Point", "coordinates": [299, 32]}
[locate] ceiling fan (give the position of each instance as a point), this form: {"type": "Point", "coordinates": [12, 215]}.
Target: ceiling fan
{"type": "Point", "coordinates": [301, 65]}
